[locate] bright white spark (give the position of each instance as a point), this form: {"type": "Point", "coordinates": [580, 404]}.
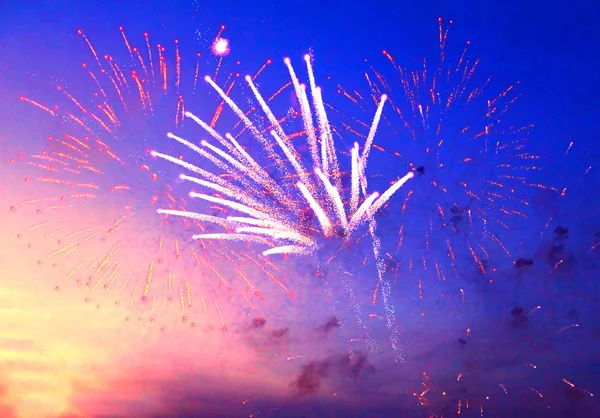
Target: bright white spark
{"type": "Point", "coordinates": [220, 47]}
{"type": "Point", "coordinates": [270, 214]}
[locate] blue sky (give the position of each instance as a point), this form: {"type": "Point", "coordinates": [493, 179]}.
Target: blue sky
{"type": "Point", "coordinates": [549, 47]}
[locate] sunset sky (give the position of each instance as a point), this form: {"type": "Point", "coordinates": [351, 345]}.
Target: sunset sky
{"type": "Point", "coordinates": [108, 309]}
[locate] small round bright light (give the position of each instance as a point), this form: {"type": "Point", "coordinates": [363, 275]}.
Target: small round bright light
{"type": "Point", "coordinates": [287, 61]}
{"type": "Point", "coordinates": [248, 78]}
{"type": "Point", "coordinates": [220, 47]}
{"type": "Point", "coordinates": [207, 78]}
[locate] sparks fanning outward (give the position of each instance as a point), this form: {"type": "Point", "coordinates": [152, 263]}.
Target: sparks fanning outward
{"type": "Point", "coordinates": [87, 207]}
{"type": "Point", "coordinates": [473, 169]}
{"type": "Point", "coordinates": [269, 212]}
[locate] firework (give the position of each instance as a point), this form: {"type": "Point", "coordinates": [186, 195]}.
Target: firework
{"type": "Point", "coordinates": [273, 212]}
{"type": "Point", "coordinates": [474, 173]}
{"type": "Point", "coordinates": [470, 204]}
{"type": "Point", "coordinates": [88, 205]}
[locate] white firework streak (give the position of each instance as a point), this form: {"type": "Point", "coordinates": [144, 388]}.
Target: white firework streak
{"type": "Point", "coordinates": [273, 221]}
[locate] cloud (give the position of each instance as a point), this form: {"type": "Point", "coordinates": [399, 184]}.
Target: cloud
{"type": "Point", "coordinates": [311, 375]}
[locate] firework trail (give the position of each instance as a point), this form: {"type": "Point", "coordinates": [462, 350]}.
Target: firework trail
{"type": "Point", "coordinates": [87, 195]}
{"type": "Point", "coordinates": [274, 206]}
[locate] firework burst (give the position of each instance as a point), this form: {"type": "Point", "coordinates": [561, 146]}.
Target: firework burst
{"type": "Point", "coordinates": [277, 207]}
{"type": "Point", "coordinates": [88, 193]}
{"type": "Point", "coordinates": [466, 217]}
{"type": "Point", "coordinates": [473, 169]}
